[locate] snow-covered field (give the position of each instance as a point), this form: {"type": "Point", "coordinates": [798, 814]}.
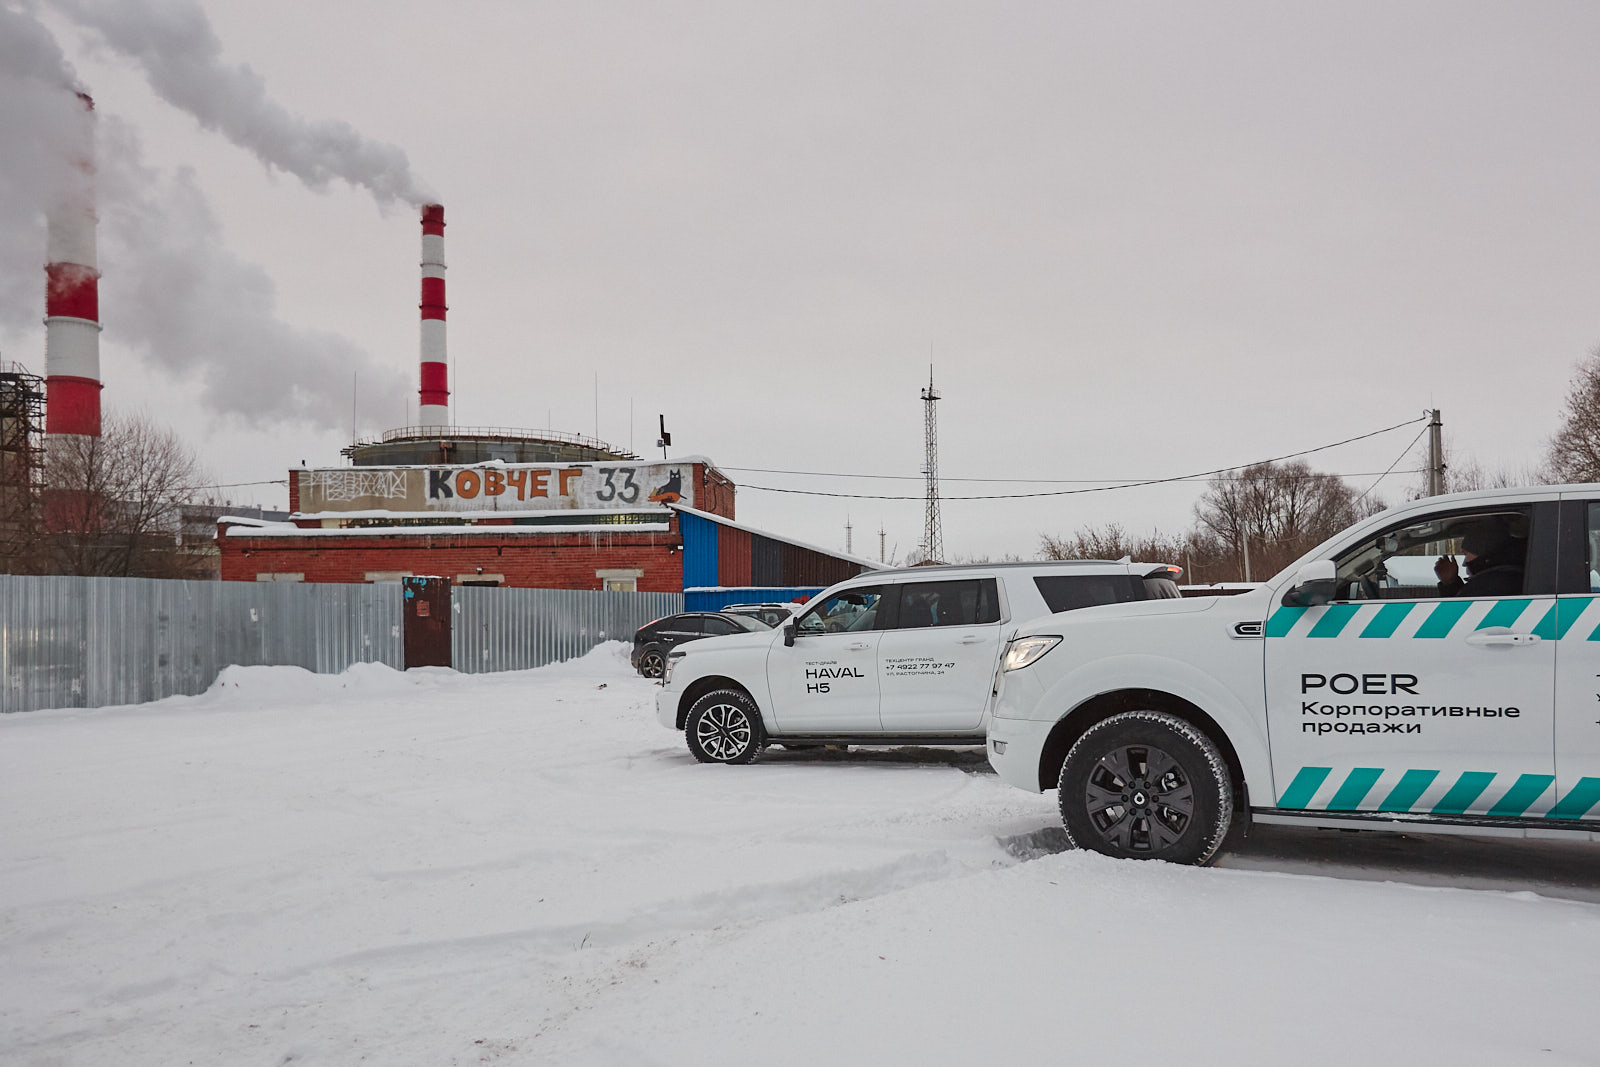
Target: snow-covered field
{"type": "Point", "coordinates": [432, 868]}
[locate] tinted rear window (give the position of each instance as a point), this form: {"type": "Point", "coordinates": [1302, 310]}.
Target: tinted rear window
{"type": "Point", "coordinates": [1067, 592]}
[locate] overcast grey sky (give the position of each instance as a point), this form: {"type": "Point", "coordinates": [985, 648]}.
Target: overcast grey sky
{"type": "Point", "coordinates": [1134, 240]}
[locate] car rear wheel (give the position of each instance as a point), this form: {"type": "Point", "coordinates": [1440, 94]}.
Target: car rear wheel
{"type": "Point", "coordinates": [1146, 785]}
{"type": "Point", "coordinates": [652, 664]}
{"type": "Point", "coordinates": [724, 727]}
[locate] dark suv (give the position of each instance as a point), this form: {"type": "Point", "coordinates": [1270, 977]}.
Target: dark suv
{"type": "Point", "coordinates": [653, 640]}
{"type": "Point", "coordinates": [773, 615]}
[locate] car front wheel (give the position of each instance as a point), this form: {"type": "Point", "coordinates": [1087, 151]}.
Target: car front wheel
{"type": "Point", "coordinates": [1146, 785]}
{"type": "Point", "coordinates": [724, 727]}
{"type": "Point", "coordinates": [652, 664]}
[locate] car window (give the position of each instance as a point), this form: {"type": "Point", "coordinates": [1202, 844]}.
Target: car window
{"type": "Point", "coordinates": [1161, 589]}
{"type": "Point", "coordinates": [1464, 553]}
{"type": "Point", "coordinates": [1592, 549]}
{"type": "Point", "coordinates": [716, 626]}
{"type": "Point", "coordinates": [846, 610]}
{"type": "Point", "coordinates": [967, 602]}
{"type": "Point", "coordinates": [746, 624]}
{"type": "Point", "coordinates": [1068, 592]}
{"type": "Point", "coordinates": [688, 624]}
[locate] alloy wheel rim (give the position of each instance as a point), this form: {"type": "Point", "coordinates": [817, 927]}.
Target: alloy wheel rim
{"type": "Point", "coordinates": [1139, 799]}
{"type": "Point", "coordinates": [651, 664]}
{"type": "Point", "coordinates": [723, 731]}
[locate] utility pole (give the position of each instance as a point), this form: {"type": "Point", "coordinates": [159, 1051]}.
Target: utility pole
{"type": "Point", "coordinates": [1435, 454]}
{"type": "Point", "coordinates": [848, 531]}
{"type": "Point", "coordinates": [933, 533]}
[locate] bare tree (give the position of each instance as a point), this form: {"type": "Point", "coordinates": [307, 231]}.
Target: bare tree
{"type": "Point", "coordinates": [1271, 513]}
{"type": "Point", "coordinates": [1574, 454]}
{"type": "Point", "coordinates": [1111, 541]}
{"type": "Point", "coordinates": [111, 503]}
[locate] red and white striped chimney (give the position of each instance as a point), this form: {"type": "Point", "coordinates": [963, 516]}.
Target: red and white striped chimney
{"type": "Point", "coordinates": [433, 400]}
{"type": "Point", "coordinates": [72, 300]}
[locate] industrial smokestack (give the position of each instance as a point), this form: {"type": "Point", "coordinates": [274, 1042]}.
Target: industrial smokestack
{"type": "Point", "coordinates": [433, 400]}
{"type": "Point", "coordinates": [72, 300]}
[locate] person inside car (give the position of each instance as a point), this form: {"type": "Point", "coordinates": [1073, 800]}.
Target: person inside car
{"type": "Point", "coordinates": [1494, 563]}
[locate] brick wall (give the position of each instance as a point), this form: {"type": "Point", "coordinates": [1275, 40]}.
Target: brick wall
{"type": "Point", "coordinates": [562, 561]}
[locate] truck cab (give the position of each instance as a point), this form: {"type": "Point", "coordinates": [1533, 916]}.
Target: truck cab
{"type": "Point", "coordinates": [1433, 668]}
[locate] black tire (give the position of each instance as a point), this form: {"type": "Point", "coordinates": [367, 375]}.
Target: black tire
{"type": "Point", "coordinates": [724, 726]}
{"type": "Point", "coordinates": [652, 664]}
{"type": "Point", "coordinates": [1146, 785]}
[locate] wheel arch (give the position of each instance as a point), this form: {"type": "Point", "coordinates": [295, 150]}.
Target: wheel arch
{"type": "Point", "coordinates": [708, 684]}
{"type": "Point", "coordinates": [1098, 708]}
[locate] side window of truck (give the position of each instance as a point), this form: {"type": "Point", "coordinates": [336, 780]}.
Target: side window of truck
{"type": "Point", "coordinates": [848, 610]}
{"type": "Point", "coordinates": [1068, 592]}
{"type": "Point", "coordinates": [968, 602]}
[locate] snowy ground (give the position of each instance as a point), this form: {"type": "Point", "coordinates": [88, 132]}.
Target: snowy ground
{"type": "Point", "coordinates": [524, 868]}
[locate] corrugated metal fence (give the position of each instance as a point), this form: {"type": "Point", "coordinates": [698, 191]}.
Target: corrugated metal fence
{"type": "Point", "coordinates": [514, 629]}
{"type": "Point", "coordinates": [87, 642]}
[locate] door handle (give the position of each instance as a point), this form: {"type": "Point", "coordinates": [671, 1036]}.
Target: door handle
{"type": "Point", "coordinates": [859, 646]}
{"type": "Point", "coordinates": [1492, 637]}
{"type": "Point", "coordinates": [971, 639]}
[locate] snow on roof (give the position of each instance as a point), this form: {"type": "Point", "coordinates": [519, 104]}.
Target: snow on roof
{"type": "Point", "coordinates": [290, 530]}
{"type": "Point", "coordinates": [869, 564]}
{"type": "Point", "coordinates": [521, 513]}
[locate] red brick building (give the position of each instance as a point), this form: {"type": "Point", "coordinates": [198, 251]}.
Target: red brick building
{"type": "Point", "coordinates": [578, 525]}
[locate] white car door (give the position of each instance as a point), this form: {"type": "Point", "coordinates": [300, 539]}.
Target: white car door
{"type": "Point", "coordinates": [937, 660]}
{"type": "Point", "coordinates": [827, 681]}
{"type": "Point", "coordinates": [1574, 630]}
{"type": "Point", "coordinates": [1395, 698]}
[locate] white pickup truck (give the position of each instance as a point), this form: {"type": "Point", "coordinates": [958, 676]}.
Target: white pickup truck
{"type": "Point", "coordinates": [1371, 685]}
{"type": "Point", "coordinates": [886, 658]}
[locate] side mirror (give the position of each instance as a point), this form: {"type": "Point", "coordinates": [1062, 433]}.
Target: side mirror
{"type": "Point", "coordinates": [1315, 583]}
{"type": "Point", "coordinates": [788, 633]}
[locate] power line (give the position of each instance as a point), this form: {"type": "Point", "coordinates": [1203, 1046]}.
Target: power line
{"type": "Point", "coordinates": [1058, 481]}
{"type": "Point", "coordinates": [1397, 460]}
{"type": "Point", "coordinates": [1103, 488]}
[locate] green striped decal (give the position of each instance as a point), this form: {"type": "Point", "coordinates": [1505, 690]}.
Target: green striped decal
{"type": "Point", "coordinates": [1504, 613]}
{"type": "Point", "coordinates": [1357, 784]}
{"type": "Point", "coordinates": [1304, 787]}
{"type": "Point", "coordinates": [1579, 799]}
{"type": "Point", "coordinates": [1410, 788]}
{"type": "Point", "coordinates": [1559, 619]}
{"type": "Point", "coordinates": [1283, 621]}
{"type": "Point", "coordinates": [1523, 792]}
{"type": "Point", "coordinates": [1334, 618]}
{"type": "Point", "coordinates": [1387, 620]}
{"type": "Point", "coordinates": [1444, 615]}
{"type": "Point", "coordinates": [1468, 787]}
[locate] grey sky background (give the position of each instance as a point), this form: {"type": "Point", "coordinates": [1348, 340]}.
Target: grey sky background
{"type": "Point", "coordinates": [1134, 240]}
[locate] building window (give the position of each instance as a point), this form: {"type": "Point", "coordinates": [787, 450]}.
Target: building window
{"type": "Point", "coordinates": [621, 580]}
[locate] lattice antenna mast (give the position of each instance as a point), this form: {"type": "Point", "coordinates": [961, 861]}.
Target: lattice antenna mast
{"type": "Point", "coordinates": [933, 530]}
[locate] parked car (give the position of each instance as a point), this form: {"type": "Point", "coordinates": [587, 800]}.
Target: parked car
{"type": "Point", "coordinates": [772, 614]}
{"type": "Point", "coordinates": [653, 640]}
{"type": "Point", "coordinates": [1430, 669]}
{"type": "Point", "coordinates": [886, 658]}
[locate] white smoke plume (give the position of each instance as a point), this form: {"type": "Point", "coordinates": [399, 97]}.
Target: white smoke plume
{"type": "Point", "coordinates": [172, 290]}
{"type": "Point", "coordinates": [40, 116]}
{"type": "Point", "coordinates": [173, 43]}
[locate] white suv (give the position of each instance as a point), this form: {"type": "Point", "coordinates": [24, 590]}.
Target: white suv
{"type": "Point", "coordinates": [1433, 668]}
{"type": "Point", "coordinates": [886, 658]}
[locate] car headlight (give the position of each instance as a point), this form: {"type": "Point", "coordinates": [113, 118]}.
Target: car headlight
{"type": "Point", "coordinates": [1024, 650]}
{"type": "Point", "coordinates": [672, 659]}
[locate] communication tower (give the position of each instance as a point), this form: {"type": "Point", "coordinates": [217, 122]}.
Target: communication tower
{"type": "Point", "coordinates": [933, 532]}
